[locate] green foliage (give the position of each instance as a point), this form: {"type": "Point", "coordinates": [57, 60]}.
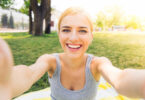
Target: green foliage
{"type": "Point", "coordinates": [124, 50]}
{"type": "Point", "coordinates": [101, 20]}
{"type": "Point", "coordinates": [115, 16]}
{"type": "Point", "coordinates": [6, 3]}
{"type": "Point", "coordinates": [108, 17]}
{"type": "Point", "coordinates": [4, 20]}
{"type": "Point", "coordinates": [25, 7]}
{"type": "Point", "coordinates": [133, 22]}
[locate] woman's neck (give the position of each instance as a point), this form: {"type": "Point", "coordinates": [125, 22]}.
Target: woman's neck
{"type": "Point", "coordinates": [73, 62]}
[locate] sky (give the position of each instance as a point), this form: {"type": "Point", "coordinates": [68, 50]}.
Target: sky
{"type": "Point", "coordinates": [134, 7]}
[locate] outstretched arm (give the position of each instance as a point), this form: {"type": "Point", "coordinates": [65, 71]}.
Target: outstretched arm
{"type": "Point", "coordinates": [129, 82]}
{"type": "Point", "coordinates": [16, 80]}
{"type": "Point", "coordinates": [23, 77]}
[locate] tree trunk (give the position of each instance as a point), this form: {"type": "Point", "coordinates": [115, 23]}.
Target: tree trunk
{"type": "Point", "coordinates": [48, 18]}
{"type": "Point", "coordinates": [41, 11]}
{"type": "Point", "coordinates": [38, 24]}
{"type": "Point", "coordinates": [48, 25]}
{"type": "Point", "coordinates": [30, 20]}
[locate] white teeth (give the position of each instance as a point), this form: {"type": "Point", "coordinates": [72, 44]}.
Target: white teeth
{"type": "Point", "coordinates": [74, 46]}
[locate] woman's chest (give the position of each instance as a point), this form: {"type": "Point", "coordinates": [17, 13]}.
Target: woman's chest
{"type": "Point", "coordinates": [73, 79]}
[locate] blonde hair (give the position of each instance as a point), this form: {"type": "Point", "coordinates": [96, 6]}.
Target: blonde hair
{"type": "Point", "coordinates": [73, 11]}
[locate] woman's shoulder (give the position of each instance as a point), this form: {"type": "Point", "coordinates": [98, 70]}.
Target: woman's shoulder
{"type": "Point", "coordinates": [47, 57]}
{"type": "Point", "coordinates": [94, 67]}
{"type": "Point", "coordinates": [98, 60]}
{"type": "Point", "coordinates": [51, 59]}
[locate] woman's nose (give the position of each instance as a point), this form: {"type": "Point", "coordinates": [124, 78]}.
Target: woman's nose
{"type": "Point", "coordinates": [74, 35]}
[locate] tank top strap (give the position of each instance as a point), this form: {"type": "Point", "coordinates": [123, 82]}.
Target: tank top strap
{"type": "Point", "coordinates": [57, 59]}
{"type": "Point", "coordinates": [89, 74]}
{"type": "Point", "coordinates": [89, 59]}
{"type": "Point", "coordinates": [58, 64]}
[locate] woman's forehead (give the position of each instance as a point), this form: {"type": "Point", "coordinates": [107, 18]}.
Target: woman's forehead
{"type": "Point", "coordinates": [77, 20]}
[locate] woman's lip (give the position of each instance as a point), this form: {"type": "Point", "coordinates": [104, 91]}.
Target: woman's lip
{"type": "Point", "coordinates": [73, 47]}
{"type": "Point", "coordinates": [72, 44]}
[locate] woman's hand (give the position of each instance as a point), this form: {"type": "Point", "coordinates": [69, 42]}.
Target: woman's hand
{"type": "Point", "coordinates": [6, 63]}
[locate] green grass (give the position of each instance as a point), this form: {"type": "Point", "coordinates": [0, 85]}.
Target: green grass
{"type": "Point", "coordinates": [124, 50]}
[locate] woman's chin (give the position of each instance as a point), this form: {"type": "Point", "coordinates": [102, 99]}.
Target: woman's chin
{"type": "Point", "coordinates": [74, 55]}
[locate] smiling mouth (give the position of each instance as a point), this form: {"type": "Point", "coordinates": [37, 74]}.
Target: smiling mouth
{"type": "Point", "coordinates": [74, 46]}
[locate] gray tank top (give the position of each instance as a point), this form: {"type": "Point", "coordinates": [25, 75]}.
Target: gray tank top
{"type": "Point", "coordinates": [58, 92]}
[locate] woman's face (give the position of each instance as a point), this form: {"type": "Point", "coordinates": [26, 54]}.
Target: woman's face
{"type": "Point", "coordinates": [75, 34]}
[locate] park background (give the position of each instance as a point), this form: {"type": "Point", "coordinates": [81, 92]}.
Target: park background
{"type": "Point", "coordinates": [119, 30]}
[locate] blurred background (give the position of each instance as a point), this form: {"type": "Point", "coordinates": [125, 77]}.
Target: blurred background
{"type": "Point", "coordinates": [107, 15]}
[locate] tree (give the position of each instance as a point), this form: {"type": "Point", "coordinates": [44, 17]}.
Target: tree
{"type": "Point", "coordinates": [40, 11]}
{"type": "Point", "coordinates": [30, 20]}
{"type": "Point", "coordinates": [6, 3]}
{"type": "Point", "coordinates": [44, 10]}
{"type": "Point", "coordinates": [133, 22]}
{"type": "Point", "coordinates": [108, 17]}
{"type": "Point", "coordinates": [115, 14]}
{"type": "Point", "coordinates": [11, 21]}
{"type": "Point", "coordinates": [27, 9]}
{"type": "Point", "coordinates": [4, 20]}
{"type": "Point", "coordinates": [48, 19]}
{"type": "Point", "coordinates": [101, 20]}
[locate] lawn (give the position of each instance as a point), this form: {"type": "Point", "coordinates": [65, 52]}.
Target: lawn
{"type": "Point", "coordinates": [124, 50]}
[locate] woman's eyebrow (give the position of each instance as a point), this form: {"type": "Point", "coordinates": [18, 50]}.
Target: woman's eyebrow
{"type": "Point", "coordinates": [78, 27]}
{"type": "Point", "coordinates": [66, 27]}
{"type": "Point", "coordinates": [82, 27]}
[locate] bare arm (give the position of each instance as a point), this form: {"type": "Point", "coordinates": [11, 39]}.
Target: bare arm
{"type": "Point", "coordinates": [129, 82]}
{"type": "Point", "coordinates": [16, 80]}
{"type": "Point", "coordinates": [23, 77]}
{"type": "Point", "coordinates": [132, 83]}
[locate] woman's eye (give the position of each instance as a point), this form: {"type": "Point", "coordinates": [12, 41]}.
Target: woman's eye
{"type": "Point", "coordinates": [83, 31]}
{"type": "Point", "coordinates": [65, 30]}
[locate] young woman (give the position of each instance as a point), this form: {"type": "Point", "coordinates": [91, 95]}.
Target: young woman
{"type": "Point", "coordinates": [73, 74]}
